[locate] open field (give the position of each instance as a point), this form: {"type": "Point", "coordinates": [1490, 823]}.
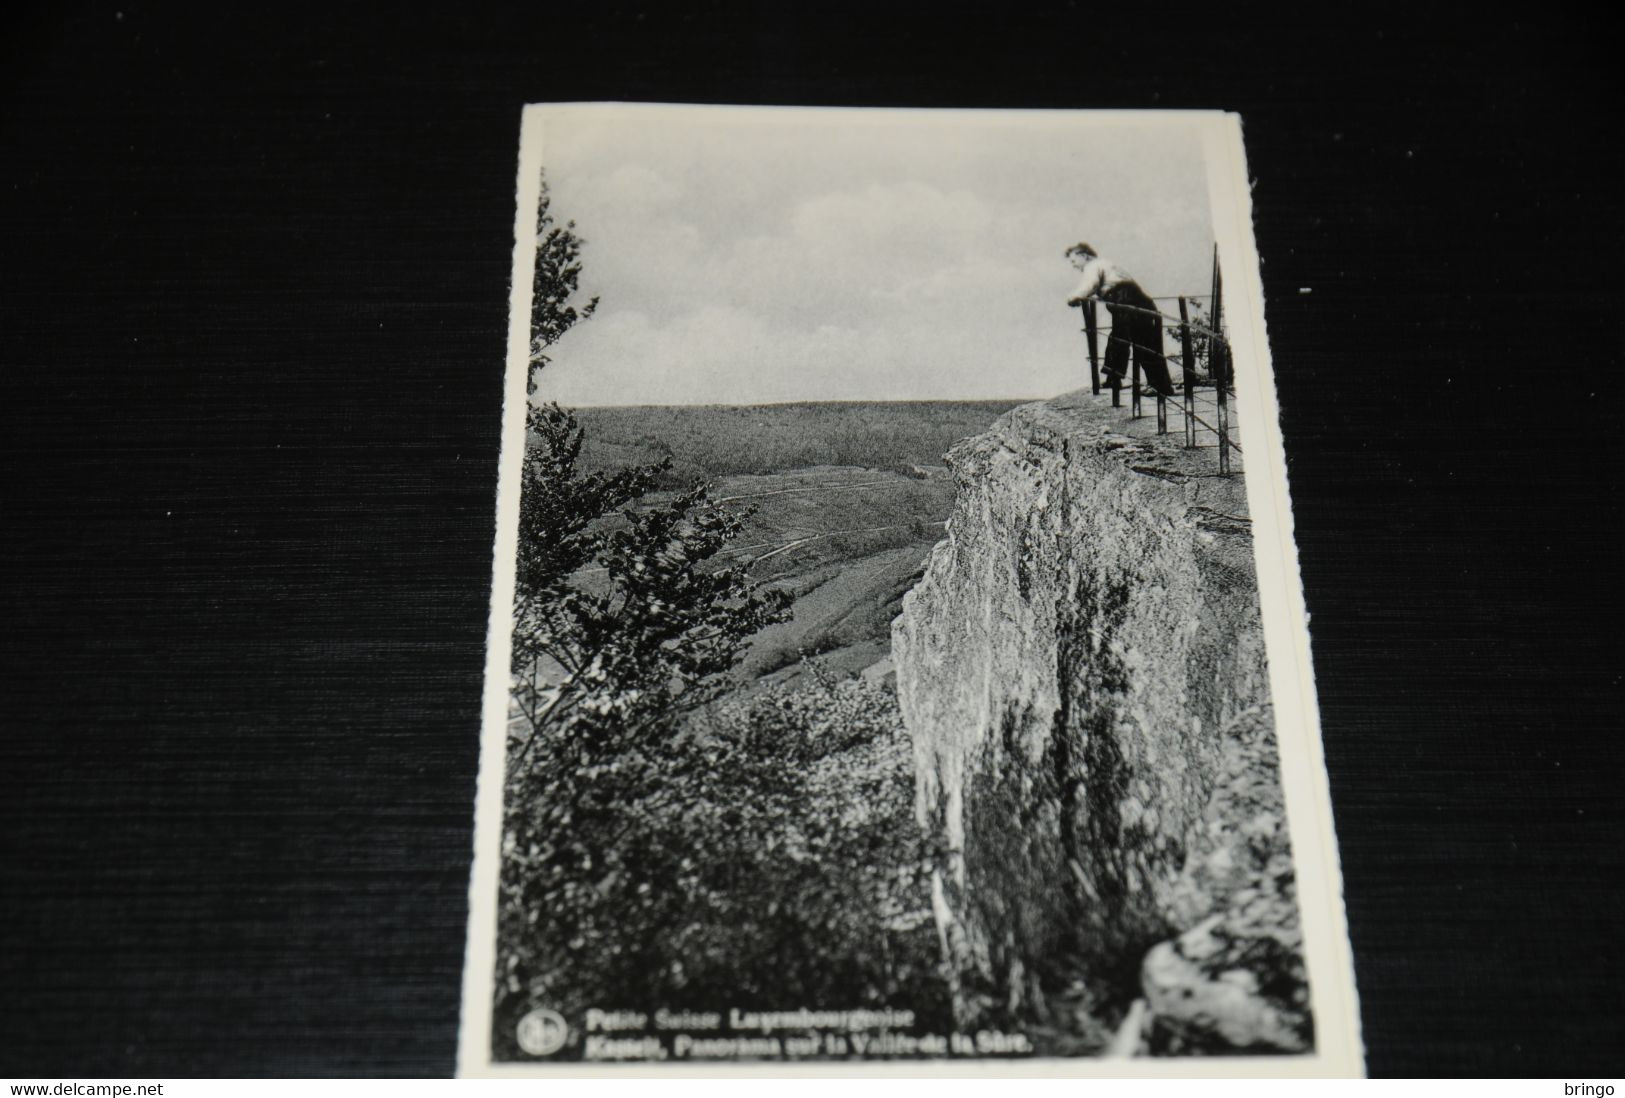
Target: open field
{"type": "Point", "coordinates": [847, 543]}
{"type": "Point", "coordinates": [706, 441]}
{"type": "Point", "coordinates": [847, 501]}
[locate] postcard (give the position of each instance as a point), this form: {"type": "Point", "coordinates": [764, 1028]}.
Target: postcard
{"type": "Point", "coordinates": [897, 661]}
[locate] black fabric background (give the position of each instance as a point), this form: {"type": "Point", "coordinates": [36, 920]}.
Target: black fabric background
{"type": "Point", "coordinates": [255, 293]}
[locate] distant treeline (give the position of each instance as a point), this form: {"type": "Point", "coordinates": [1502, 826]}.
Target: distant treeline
{"type": "Point", "coordinates": [711, 440]}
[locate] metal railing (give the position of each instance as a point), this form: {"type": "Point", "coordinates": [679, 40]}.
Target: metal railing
{"type": "Point", "coordinates": [1198, 343]}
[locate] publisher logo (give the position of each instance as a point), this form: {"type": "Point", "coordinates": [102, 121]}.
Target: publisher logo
{"type": "Point", "coordinates": [542, 1032]}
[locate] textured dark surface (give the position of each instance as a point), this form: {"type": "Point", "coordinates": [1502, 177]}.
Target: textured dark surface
{"type": "Point", "coordinates": [254, 305]}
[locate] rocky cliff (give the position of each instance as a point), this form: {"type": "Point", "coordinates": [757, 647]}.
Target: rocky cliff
{"type": "Point", "coordinates": [1082, 674]}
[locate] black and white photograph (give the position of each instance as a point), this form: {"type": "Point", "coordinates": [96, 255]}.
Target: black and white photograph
{"type": "Point", "coordinates": [892, 651]}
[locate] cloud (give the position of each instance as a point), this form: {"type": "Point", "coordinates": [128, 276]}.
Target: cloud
{"type": "Point", "coordinates": [738, 266]}
{"type": "Point", "coordinates": [911, 217]}
{"type": "Point", "coordinates": [636, 187]}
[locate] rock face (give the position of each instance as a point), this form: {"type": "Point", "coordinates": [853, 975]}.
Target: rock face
{"type": "Point", "coordinates": [1082, 674]}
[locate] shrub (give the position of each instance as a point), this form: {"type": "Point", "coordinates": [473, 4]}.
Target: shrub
{"type": "Point", "coordinates": [765, 857]}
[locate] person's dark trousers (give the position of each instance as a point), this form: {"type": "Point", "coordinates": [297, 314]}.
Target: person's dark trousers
{"type": "Point", "coordinates": [1136, 324]}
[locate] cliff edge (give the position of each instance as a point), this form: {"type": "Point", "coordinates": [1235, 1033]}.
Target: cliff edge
{"type": "Point", "coordinates": [1082, 674]}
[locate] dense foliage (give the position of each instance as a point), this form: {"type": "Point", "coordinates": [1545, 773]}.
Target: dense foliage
{"type": "Point", "coordinates": [623, 622]}
{"type": "Point", "coordinates": [659, 849]}
{"type": "Point", "coordinates": [620, 615]}
{"type": "Point", "coordinates": [553, 286]}
{"type": "Point", "coordinates": [764, 856]}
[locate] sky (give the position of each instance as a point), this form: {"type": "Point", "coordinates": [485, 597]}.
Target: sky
{"type": "Point", "coordinates": [751, 256]}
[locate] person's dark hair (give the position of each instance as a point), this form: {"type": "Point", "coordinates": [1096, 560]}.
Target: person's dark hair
{"type": "Point", "coordinates": [1082, 249]}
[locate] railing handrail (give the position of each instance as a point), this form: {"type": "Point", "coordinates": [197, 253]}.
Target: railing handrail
{"type": "Point", "coordinates": [1221, 372]}
{"type": "Point", "coordinates": [1195, 327]}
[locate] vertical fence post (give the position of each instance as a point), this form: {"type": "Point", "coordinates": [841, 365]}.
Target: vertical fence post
{"type": "Point", "coordinates": [1135, 399]}
{"type": "Point", "coordinates": [1161, 350]}
{"type": "Point", "coordinates": [1162, 401]}
{"type": "Point", "coordinates": [1089, 332]}
{"type": "Point", "coordinates": [1116, 379]}
{"type": "Point", "coordinates": [1188, 369]}
{"type": "Point", "coordinates": [1220, 358]}
{"type": "Point", "coordinates": [1213, 296]}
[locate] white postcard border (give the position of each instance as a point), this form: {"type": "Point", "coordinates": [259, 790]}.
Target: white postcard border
{"type": "Point", "coordinates": [1338, 1049]}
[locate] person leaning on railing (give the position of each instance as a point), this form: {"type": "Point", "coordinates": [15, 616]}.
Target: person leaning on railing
{"type": "Point", "coordinates": [1136, 323]}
